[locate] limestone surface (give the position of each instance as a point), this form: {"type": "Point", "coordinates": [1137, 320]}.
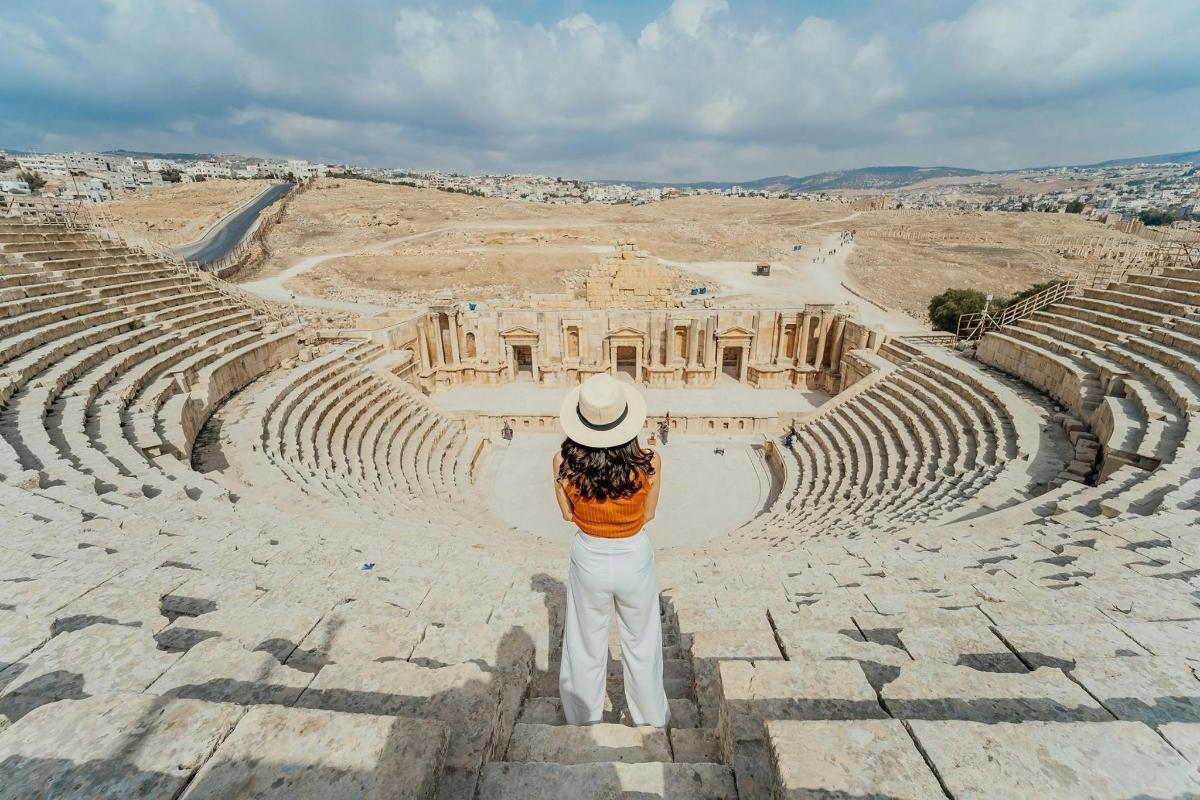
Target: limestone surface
{"type": "Point", "coordinates": [313, 755]}
{"type": "Point", "coordinates": [847, 759]}
{"type": "Point", "coordinates": [1055, 759]}
{"type": "Point", "coordinates": [113, 745]}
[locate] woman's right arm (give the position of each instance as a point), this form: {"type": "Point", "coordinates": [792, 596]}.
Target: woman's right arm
{"type": "Point", "coordinates": [560, 493]}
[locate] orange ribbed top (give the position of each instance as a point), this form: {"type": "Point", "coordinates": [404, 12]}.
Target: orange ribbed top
{"type": "Point", "coordinates": [614, 518]}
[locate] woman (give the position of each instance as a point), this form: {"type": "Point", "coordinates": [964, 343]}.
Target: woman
{"type": "Point", "coordinates": [607, 485]}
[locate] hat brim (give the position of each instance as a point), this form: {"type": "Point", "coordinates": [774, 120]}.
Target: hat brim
{"type": "Point", "coordinates": [577, 430]}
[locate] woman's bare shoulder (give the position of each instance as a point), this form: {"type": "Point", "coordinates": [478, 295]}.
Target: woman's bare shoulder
{"type": "Point", "coordinates": [557, 460]}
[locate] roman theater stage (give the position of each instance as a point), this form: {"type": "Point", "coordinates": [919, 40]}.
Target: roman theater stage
{"type": "Point", "coordinates": [705, 495]}
{"type": "Point", "coordinates": [712, 483]}
{"type": "Point", "coordinates": [727, 398]}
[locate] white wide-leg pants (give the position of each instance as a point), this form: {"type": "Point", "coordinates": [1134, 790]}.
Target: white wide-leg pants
{"type": "Point", "coordinates": [604, 573]}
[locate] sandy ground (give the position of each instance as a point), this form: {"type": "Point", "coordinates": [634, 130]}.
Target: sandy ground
{"type": "Point", "coordinates": [179, 213]}
{"type": "Point", "coordinates": [704, 494]}
{"type": "Point", "coordinates": [495, 249]}
{"type": "Point", "coordinates": [351, 246]}
{"type": "Point", "coordinates": [995, 252]}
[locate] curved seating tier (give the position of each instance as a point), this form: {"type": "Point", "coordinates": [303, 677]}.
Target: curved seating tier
{"type": "Point", "coordinates": [241, 622]}
{"type": "Point", "coordinates": [1126, 360]}
{"type": "Point", "coordinates": [344, 426]}
{"type": "Point", "coordinates": [923, 435]}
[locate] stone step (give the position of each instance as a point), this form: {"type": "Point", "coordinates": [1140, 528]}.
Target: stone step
{"type": "Point", "coordinates": [507, 781]}
{"type": "Point", "coordinates": [80, 748]}
{"type": "Point", "coordinates": [677, 678]}
{"type": "Point", "coordinates": [588, 744]}
{"type": "Point", "coordinates": [1054, 759]}
{"type": "Point", "coordinates": [847, 758]}
{"type": "Point", "coordinates": [932, 690]}
{"type": "Point", "coordinates": [548, 711]}
{"type": "Point", "coordinates": [303, 754]}
{"type": "Point", "coordinates": [696, 745]}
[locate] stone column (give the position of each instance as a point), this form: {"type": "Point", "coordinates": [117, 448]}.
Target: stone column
{"type": "Point", "coordinates": [533, 353]}
{"type": "Point", "coordinates": [745, 366]}
{"type": "Point", "coordinates": [693, 343]}
{"type": "Point", "coordinates": [823, 327]}
{"type": "Point", "coordinates": [653, 342]}
{"type": "Point", "coordinates": [511, 360]}
{"type": "Point", "coordinates": [423, 346]}
{"type": "Point", "coordinates": [837, 329]}
{"type": "Point", "coordinates": [439, 345]}
{"type": "Point", "coordinates": [777, 339]}
{"type": "Point", "coordinates": [805, 336]}
{"type": "Point", "coordinates": [711, 342]}
{"type": "Point", "coordinates": [454, 353]}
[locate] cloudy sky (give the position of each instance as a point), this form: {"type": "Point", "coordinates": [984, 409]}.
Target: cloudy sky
{"type": "Point", "coordinates": [683, 90]}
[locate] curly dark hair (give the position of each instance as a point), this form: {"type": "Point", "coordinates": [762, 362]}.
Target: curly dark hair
{"type": "Point", "coordinates": [603, 473]}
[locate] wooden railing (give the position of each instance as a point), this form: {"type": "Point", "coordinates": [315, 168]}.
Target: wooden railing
{"type": "Point", "coordinates": [973, 326]}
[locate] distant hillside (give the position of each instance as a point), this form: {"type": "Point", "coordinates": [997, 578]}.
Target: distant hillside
{"type": "Point", "coordinates": [166, 156]}
{"type": "Point", "coordinates": [877, 178]}
{"type": "Point", "coordinates": [887, 178]}
{"type": "Point", "coordinates": [872, 178]}
{"type": "Point", "coordinates": [1192, 157]}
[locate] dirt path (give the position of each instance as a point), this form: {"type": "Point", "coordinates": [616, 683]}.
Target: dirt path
{"type": "Point", "coordinates": [814, 275]}
{"type": "Point", "coordinates": [274, 287]}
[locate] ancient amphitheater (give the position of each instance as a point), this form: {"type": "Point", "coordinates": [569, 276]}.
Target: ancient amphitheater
{"type": "Point", "coordinates": [243, 558]}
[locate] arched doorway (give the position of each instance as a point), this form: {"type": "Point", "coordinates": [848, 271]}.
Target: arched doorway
{"type": "Point", "coordinates": [627, 361]}
{"type": "Point", "coordinates": [731, 362]}
{"type": "Point", "coordinates": [523, 356]}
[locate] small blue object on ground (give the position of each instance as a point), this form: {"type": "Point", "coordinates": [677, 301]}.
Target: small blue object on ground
{"type": "Point", "coordinates": [369, 565]}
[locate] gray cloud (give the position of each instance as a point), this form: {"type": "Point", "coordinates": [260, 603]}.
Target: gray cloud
{"type": "Point", "coordinates": [700, 92]}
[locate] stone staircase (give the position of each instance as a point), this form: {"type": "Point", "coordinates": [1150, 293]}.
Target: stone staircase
{"type": "Point", "coordinates": [297, 608]}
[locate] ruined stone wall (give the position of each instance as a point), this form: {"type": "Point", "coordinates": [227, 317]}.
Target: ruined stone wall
{"type": "Point", "coordinates": [665, 348]}
{"type": "Point", "coordinates": [629, 280]}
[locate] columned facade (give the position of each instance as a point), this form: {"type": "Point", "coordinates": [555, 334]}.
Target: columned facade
{"type": "Point", "coordinates": [770, 348]}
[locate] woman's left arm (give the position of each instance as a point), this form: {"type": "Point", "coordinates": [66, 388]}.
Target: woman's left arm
{"type": "Point", "coordinates": [560, 493]}
{"type": "Point", "coordinates": [655, 485]}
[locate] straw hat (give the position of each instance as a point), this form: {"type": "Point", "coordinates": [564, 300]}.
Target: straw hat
{"type": "Point", "coordinates": [603, 412]}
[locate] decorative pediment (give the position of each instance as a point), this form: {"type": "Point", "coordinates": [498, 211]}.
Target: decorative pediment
{"type": "Point", "coordinates": [519, 332]}
{"type": "Point", "coordinates": [626, 332]}
{"type": "Point", "coordinates": [735, 332]}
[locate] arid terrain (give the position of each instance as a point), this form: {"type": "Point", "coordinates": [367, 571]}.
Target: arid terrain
{"type": "Point", "coordinates": [903, 257]}
{"type": "Point", "coordinates": [404, 245]}
{"type": "Point", "coordinates": [362, 246]}
{"type": "Point", "coordinates": [179, 213]}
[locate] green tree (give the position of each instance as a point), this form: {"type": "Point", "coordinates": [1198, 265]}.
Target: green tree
{"type": "Point", "coordinates": [947, 307]}
{"type": "Point", "coordinates": [1075, 207]}
{"type": "Point", "coordinates": [1021, 295]}
{"type": "Point", "coordinates": [35, 181]}
{"type": "Point", "coordinates": [171, 175]}
{"type": "Point", "coordinates": [6, 165]}
{"type": "Point", "coordinates": [1156, 216]}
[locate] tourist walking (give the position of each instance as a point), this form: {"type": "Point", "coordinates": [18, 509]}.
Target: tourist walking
{"type": "Point", "coordinates": [607, 485]}
{"type": "Point", "coordinates": [506, 433]}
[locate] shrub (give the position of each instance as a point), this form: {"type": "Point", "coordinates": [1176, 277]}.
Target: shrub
{"type": "Point", "coordinates": [1155, 216]}
{"type": "Point", "coordinates": [945, 308]}
{"type": "Point", "coordinates": [1021, 295]}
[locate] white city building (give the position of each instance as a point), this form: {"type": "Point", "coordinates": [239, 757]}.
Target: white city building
{"type": "Point", "coordinates": [209, 169]}
{"type": "Point", "coordinates": [43, 165]}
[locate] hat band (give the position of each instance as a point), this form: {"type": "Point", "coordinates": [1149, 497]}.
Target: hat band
{"type": "Point", "coordinates": [608, 426]}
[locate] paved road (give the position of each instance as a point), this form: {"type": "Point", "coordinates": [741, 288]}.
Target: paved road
{"type": "Point", "coordinates": [226, 234]}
